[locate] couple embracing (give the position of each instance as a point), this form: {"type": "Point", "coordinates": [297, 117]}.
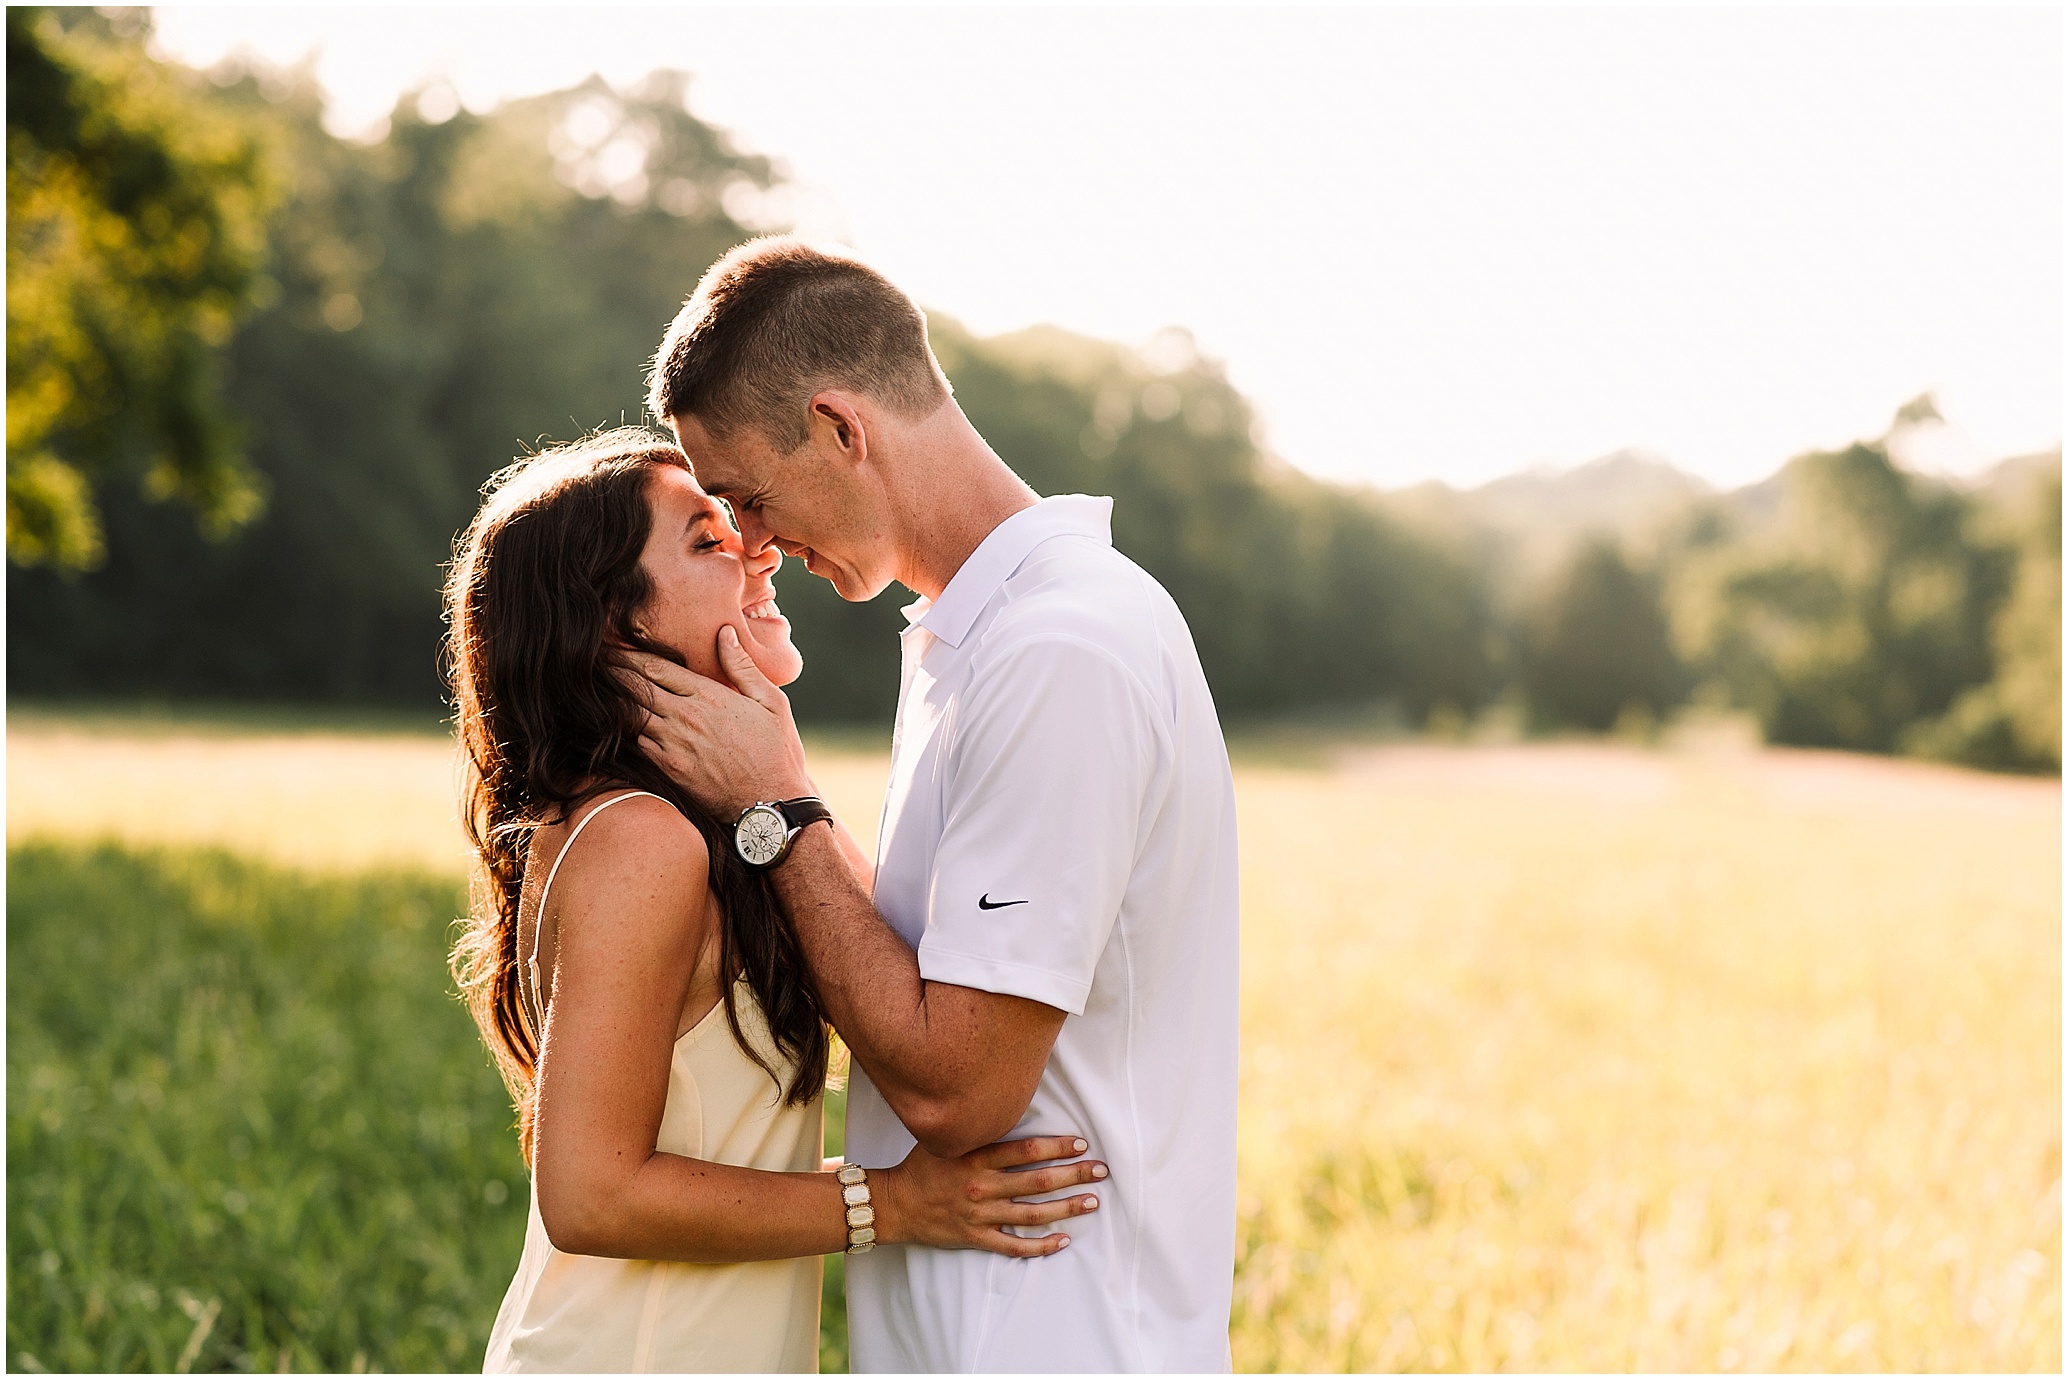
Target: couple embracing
{"type": "Point", "coordinates": [1035, 976]}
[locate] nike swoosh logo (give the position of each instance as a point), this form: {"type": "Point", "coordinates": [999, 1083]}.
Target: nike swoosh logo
{"type": "Point", "coordinates": [986, 903]}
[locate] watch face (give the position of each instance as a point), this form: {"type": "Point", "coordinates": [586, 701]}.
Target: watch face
{"type": "Point", "coordinates": [760, 835]}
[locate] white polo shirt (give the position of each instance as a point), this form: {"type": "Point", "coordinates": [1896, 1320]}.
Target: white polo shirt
{"type": "Point", "coordinates": [1060, 825]}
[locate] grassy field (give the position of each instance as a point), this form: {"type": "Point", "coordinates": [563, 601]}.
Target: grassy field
{"type": "Point", "coordinates": [1568, 1057]}
{"type": "Point", "coordinates": [244, 1130]}
{"type": "Point", "coordinates": [1593, 1060]}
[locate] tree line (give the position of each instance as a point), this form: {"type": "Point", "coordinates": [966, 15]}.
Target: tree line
{"type": "Point", "coordinates": [257, 375]}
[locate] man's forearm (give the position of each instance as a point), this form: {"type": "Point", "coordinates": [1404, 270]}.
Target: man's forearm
{"type": "Point", "coordinates": [867, 977]}
{"type": "Point", "coordinates": [934, 1059]}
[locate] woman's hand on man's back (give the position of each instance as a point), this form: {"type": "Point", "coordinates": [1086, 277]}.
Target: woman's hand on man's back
{"type": "Point", "coordinates": [966, 1203]}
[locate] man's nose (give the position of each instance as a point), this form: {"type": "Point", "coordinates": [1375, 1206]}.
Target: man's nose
{"type": "Point", "coordinates": [763, 564]}
{"type": "Point", "coordinates": [754, 533]}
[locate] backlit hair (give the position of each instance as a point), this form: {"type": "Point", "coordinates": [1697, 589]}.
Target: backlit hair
{"type": "Point", "coordinates": [775, 321]}
{"type": "Point", "coordinates": [544, 590]}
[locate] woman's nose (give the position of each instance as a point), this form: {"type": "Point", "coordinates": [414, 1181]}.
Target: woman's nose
{"type": "Point", "coordinates": [764, 563]}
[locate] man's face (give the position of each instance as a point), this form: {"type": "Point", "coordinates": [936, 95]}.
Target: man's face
{"type": "Point", "coordinates": [813, 503]}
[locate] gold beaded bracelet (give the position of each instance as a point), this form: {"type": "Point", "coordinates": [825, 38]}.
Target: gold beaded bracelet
{"type": "Point", "coordinates": [861, 1217]}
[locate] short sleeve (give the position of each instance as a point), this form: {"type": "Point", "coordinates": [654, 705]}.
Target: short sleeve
{"type": "Point", "coordinates": [1048, 769]}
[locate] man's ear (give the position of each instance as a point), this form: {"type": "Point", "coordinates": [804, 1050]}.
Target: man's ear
{"type": "Point", "coordinates": [836, 412]}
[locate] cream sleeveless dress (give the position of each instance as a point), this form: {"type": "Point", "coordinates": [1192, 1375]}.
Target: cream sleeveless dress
{"type": "Point", "coordinates": [588, 1313]}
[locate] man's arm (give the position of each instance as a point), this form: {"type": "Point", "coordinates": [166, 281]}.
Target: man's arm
{"type": "Point", "coordinates": [957, 1065]}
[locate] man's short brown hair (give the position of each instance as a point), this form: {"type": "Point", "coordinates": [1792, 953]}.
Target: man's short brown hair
{"type": "Point", "coordinates": [775, 321]}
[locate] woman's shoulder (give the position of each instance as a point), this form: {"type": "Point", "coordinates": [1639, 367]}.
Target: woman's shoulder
{"type": "Point", "coordinates": [626, 802]}
{"type": "Point", "coordinates": [627, 817]}
{"type": "Point", "coordinates": [629, 842]}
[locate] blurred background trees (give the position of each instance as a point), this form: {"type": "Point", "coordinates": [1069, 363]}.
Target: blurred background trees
{"type": "Point", "coordinates": [1860, 608]}
{"type": "Point", "coordinates": [435, 303]}
{"type": "Point", "coordinates": [136, 211]}
{"type": "Point", "coordinates": [257, 375]}
{"type": "Point", "coordinates": [1597, 647]}
{"type": "Point", "coordinates": [2013, 719]}
{"type": "Point", "coordinates": [1851, 604]}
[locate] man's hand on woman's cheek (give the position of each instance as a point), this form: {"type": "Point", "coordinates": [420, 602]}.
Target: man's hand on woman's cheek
{"type": "Point", "coordinates": [727, 747]}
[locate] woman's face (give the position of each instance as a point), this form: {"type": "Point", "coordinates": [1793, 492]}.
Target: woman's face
{"type": "Point", "coordinates": [703, 578]}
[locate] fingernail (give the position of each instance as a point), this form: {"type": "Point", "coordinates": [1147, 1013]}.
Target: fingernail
{"type": "Point", "coordinates": [1090, 1203]}
{"type": "Point", "coordinates": [1098, 1171]}
{"type": "Point", "coordinates": [1062, 1243]}
{"type": "Point", "coordinates": [731, 638]}
{"type": "Point", "coordinates": [1078, 1146]}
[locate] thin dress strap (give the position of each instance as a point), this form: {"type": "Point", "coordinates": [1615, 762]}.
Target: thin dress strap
{"type": "Point", "coordinates": [538, 928]}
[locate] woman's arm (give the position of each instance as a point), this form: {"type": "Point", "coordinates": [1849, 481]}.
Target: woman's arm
{"type": "Point", "coordinates": [633, 912]}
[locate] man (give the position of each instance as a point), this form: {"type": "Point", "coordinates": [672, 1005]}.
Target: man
{"type": "Point", "coordinates": [1051, 943]}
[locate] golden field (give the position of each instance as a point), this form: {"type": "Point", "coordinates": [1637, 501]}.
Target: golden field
{"type": "Point", "coordinates": [1554, 1056]}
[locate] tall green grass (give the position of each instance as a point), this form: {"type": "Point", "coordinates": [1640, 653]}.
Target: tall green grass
{"type": "Point", "coordinates": [248, 1124]}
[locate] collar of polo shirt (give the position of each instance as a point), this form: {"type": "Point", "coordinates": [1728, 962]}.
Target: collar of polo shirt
{"type": "Point", "coordinates": [1000, 554]}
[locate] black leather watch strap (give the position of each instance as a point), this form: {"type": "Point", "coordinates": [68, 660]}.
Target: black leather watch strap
{"type": "Point", "coordinates": [805, 809]}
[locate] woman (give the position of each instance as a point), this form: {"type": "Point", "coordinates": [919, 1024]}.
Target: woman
{"type": "Point", "coordinates": [643, 996]}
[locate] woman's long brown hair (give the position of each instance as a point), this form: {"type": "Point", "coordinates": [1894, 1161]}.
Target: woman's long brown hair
{"type": "Point", "coordinates": [544, 587]}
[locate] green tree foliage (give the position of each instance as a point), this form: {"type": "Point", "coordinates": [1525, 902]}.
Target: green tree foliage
{"type": "Point", "coordinates": [1597, 646]}
{"type": "Point", "coordinates": [2028, 636]}
{"type": "Point", "coordinates": [2014, 720]}
{"type": "Point", "coordinates": [463, 289]}
{"type": "Point", "coordinates": [136, 214]}
{"type": "Point", "coordinates": [1860, 606]}
{"type": "Point", "coordinates": [447, 297]}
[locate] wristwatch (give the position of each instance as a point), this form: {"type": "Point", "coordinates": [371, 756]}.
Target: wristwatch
{"type": "Point", "coordinates": [763, 832]}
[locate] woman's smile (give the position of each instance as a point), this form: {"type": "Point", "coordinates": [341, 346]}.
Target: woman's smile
{"type": "Point", "coordinates": [702, 577]}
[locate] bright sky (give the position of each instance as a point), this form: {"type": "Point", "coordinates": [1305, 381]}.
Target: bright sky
{"type": "Point", "coordinates": [1427, 242]}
